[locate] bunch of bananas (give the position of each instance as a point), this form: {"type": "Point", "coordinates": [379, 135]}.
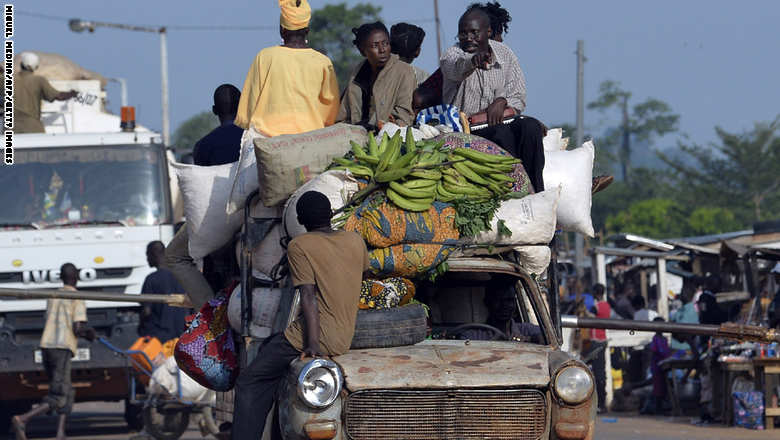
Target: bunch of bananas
{"type": "Point", "coordinates": [415, 174]}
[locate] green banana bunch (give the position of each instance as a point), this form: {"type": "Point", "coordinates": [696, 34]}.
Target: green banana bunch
{"type": "Point", "coordinates": [426, 174]}
{"type": "Point", "coordinates": [421, 193]}
{"type": "Point", "coordinates": [485, 158]}
{"type": "Point", "coordinates": [409, 204]}
{"type": "Point", "coordinates": [392, 174]}
{"type": "Point", "coordinates": [419, 183]}
{"type": "Point", "coordinates": [361, 155]}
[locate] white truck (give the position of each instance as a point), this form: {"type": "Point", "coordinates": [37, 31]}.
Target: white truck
{"type": "Point", "coordinates": [93, 199]}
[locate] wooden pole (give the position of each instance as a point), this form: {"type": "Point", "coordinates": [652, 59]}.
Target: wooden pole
{"type": "Point", "coordinates": [174, 299]}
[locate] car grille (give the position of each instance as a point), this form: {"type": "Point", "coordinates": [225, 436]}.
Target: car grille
{"type": "Point", "coordinates": [446, 414]}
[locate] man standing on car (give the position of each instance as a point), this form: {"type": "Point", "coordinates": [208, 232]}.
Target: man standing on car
{"type": "Point", "coordinates": [66, 319]}
{"type": "Point", "coordinates": [327, 266]}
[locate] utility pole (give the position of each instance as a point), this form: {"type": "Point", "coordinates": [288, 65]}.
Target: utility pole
{"type": "Point", "coordinates": [438, 27]}
{"type": "Point", "coordinates": [579, 256]}
{"type": "Point", "coordinates": [78, 25]}
{"type": "Point", "coordinates": [166, 122]}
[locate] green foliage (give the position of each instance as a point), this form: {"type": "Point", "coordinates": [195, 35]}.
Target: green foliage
{"type": "Point", "coordinates": [643, 183]}
{"type": "Point", "coordinates": [741, 171]}
{"type": "Point", "coordinates": [658, 218]}
{"type": "Point", "coordinates": [192, 130]}
{"type": "Point", "coordinates": [475, 216]}
{"type": "Point", "coordinates": [708, 220]}
{"type": "Point", "coordinates": [330, 32]}
{"type": "Point", "coordinates": [640, 123]}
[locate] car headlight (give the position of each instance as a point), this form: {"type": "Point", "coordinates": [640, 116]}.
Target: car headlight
{"type": "Point", "coordinates": [319, 383]}
{"type": "Point", "coordinates": [573, 384]}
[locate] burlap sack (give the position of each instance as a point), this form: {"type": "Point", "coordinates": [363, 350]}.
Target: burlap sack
{"type": "Point", "coordinates": [286, 162]}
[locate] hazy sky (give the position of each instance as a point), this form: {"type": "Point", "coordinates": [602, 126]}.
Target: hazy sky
{"type": "Point", "coordinates": [715, 62]}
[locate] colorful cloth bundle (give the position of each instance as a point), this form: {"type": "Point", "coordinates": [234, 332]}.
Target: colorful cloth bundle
{"type": "Point", "coordinates": [206, 351]}
{"type": "Point", "coordinates": [387, 225]}
{"type": "Point", "coordinates": [463, 140]}
{"type": "Point", "coordinates": [386, 293]}
{"type": "Point", "coordinates": [408, 260]}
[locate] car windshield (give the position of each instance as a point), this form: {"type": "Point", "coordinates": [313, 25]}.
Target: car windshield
{"type": "Point", "coordinates": [473, 305]}
{"type": "Point", "coordinates": [56, 187]}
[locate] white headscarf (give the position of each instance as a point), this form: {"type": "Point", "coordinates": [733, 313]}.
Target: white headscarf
{"type": "Point", "coordinates": [29, 61]}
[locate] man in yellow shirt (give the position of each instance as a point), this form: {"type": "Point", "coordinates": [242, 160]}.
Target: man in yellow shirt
{"type": "Point", "coordinates": [290, 88]}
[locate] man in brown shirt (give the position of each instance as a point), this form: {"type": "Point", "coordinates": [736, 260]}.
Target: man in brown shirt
{"type": "Point", "coordinates": [327, 266]}
{"type": "Point", "coordinates": [29, 90]}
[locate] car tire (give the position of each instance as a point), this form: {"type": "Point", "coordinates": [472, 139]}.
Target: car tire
{"type": "Point", "coordinates": [396, 326]}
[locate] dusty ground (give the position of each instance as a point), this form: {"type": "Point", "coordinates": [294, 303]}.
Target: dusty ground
{"type": "Point", "coordinates": [103, 421]}
{"type": "Point", "coordinates": [621, 427]}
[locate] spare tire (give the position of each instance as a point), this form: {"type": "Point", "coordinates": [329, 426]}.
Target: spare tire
{"type": "Point", "coordinates": [396, 326]}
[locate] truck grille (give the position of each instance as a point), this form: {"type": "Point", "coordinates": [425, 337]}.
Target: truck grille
{"type": "Point", "coordinates": [446, 414]}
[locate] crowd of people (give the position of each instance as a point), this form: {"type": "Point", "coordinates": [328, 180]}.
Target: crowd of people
{"type": "Point", "coordinates": [696, 303]}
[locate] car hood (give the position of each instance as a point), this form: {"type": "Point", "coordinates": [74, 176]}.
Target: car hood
{"type": "Point", "coordinates": [446, 364]}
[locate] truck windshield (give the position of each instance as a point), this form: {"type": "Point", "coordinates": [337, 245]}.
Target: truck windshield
{"type": "Point", "coordinates": [55, 187]}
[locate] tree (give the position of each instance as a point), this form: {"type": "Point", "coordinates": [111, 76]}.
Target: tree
{"type": "Point", "coordinates": [639, 124]}
{"type": "Point", "coordinates": [330, 32]}
{"type": "Point", "coordinates": [657, 218]}
{"type": "Point", "coordinates": [642, 184]}
{"type": "Point", "coordinates": [191, 130]}
{"type": "Point", "coordinates": [708, 220]}
{"type": "Point", "coordinates": [741, 171]}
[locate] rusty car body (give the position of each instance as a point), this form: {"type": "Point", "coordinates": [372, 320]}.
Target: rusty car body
{"type": "Point", "coordinates": [447, 388]}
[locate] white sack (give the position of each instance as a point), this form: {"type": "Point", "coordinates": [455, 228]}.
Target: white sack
{"type": "Point", "coordinates": [531, 220]}
{"type": "Point", "coordinates": [573, 171]}
{"type": "Point", "coordinates": [164, 380]}
{"type": "Point", "coordinates": [337, 185]}
{"type": "Point", "coordinates": [205, 191]}
{"type": "Point", "coordinates": [554, 140]}
{"type": "Point", "coordinates": [244, 176]}
{"type": "Point", "coordinates": [391, 128]}
{"type": "Point", "coordinates": [534, 259]}
{"type": "Point", "coordinates": [265, 306]}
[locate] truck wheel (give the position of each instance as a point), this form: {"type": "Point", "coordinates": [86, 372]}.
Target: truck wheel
{"type": "Point", "coordinates": [166, 423]}
{"type": "Point", "coordinates": [405, 325]}
{"type": "Point", "coordinates": [134, 415]}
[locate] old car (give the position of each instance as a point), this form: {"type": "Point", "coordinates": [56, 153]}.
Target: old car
{"type": "Point", "coordinates": [466, 380]}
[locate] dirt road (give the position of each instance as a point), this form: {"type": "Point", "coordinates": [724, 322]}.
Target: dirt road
{"type": "Point", "coordinates": [104, 421]}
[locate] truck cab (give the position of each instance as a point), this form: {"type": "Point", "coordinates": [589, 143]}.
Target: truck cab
{"type": "Point", "coordinates": [94, 200]}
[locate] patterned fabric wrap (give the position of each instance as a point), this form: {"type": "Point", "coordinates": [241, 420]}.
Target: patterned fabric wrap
{"type": "Point", "coordinates": [387, 293]}
{"type": "Point", "coordinates": [386, 225]}
{"type": "Point", "coordinates": [442, 114]}
{"type": "Point", "coordinates": [463, 140]}
{"type": "Point", "coordinates": [408, 260]}
{"type": "Point", "coordinates": [749, 409]}
{"type": "Point", "coordinates": [206, 351]}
